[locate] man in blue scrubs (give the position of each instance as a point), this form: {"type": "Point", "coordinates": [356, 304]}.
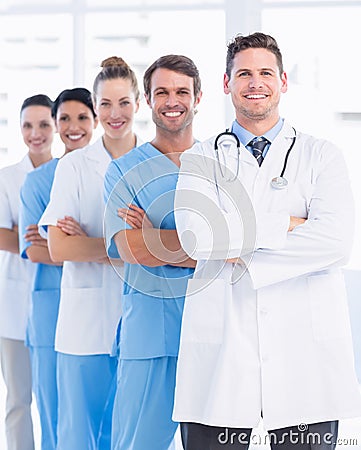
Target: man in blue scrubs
{"type": "Point", "coordinates": [140, 229]}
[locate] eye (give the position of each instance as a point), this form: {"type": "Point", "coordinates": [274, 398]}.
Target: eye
{"type": "Point", "coordinates": [83, 117]}
{"type": "Point", "coordinates": [266, 72]}
{"type": "Point", "coordinates": [63, 118]}
{"type": "Point", "coordinates": [44, 125]}
{"type": "Point", "coordinates": [243, 74]}
{"type": "Point", "coordinates": [104, 104]}
{"type": "Point", "coordinates": [160, 93]}
{"type": "Point", "coordinates": [26, 125]}
{"type": "Point", "coordinates": [124, 103]}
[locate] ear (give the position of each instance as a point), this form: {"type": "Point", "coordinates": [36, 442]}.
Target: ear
{"type": "Point", "coordinates": [147, 99]}
{"type": "Point", "coordinates": [96, 121]}
{"type": "Point", "coordinates": [226, 81]}
{"type": "Point", "coordinates": [137, 103]}
{"type": "Point", "coordinates": [284, 86]}
{"type": "Point", "coordinates": [198, 99]}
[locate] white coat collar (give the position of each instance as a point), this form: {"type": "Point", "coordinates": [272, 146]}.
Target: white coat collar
{"type": "Point", "coordinates": [25, 164]}
{"type": "Point", "coordinates": [99, 155]}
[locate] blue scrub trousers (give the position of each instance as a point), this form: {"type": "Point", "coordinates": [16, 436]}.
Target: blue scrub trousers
{"type": "Point", "coordinates": [143, 407]}
{"type": "Point", "coordinates": [85, 387]}
{"type": "Point", "coordinates": [43, 366]}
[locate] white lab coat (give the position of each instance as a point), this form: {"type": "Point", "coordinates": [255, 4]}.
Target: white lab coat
{"type": "Point", "coordinates": [16, 274]}
{"type": "Point", "coordinates": [277, 342]}
{"type": "Point", "coordinates": [90, 292]}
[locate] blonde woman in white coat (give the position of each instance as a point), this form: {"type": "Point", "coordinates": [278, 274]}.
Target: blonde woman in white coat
{"type": "Point", "coordinates": [91, 289]}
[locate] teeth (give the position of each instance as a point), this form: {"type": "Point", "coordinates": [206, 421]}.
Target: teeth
{"type": "Point", "coordinates": [75, 137]}
{"type": "Point", "coordinates": [173, 114]}
{"type": "Point", "coordinates": [256, 96]}
{"type": "Point", "coordinates": [116, 124]}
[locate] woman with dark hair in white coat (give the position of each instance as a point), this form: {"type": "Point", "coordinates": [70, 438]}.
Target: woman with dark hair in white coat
{"type": "Point", "coordinates": [75, 120]}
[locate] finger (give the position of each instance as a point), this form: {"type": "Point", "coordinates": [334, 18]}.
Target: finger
{"type": "Point", "coordinates": [134, 215]}
{"type": "Point", "coordinates": [32, 227]}
{"type": "Point", "coordinates": [126, 213]}
{"type": "Point", "coordinates": [133, 223]}
{"type": "Point", "coordinates": [136, 208]}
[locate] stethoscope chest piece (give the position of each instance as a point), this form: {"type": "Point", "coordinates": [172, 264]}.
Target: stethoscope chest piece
{"type": "Point", "coordinates": [279, 183]}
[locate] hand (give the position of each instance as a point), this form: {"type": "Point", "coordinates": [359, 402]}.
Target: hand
{"type": "Point", "coordinates": [294, 222]}
{"type": "Point", "coordinates": [32, 235]}
{"type": "Point", "coordinates": [135, 217]}
{"type": "Point", "coordinates": [70, 226]}
{"type": "Point", "coordinates": [233, 260]}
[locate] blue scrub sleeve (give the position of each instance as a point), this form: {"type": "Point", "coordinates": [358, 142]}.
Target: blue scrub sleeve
{"type": "Point", "coordinates": [117, 195]}
{"type": "Point", "coordinates": [31, 210]}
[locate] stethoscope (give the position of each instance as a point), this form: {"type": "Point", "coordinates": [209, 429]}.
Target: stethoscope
{"type": "Point", "coordinates": [279, 182]}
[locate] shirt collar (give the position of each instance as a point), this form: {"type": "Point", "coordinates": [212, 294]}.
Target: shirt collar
{"type": "Point", "coordinates": [245, 136]}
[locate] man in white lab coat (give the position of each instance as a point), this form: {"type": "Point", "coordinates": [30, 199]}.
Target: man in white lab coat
{"type": "Point", "coordinates": [265, 331]}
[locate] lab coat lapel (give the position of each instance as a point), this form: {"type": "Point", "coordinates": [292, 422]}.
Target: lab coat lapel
{"type": "Point", "coordinates": [275, 158]}
{"type": "Point", "coordinates": [99, 157]}
{"type": "Point", "coordinates": [25, 164]}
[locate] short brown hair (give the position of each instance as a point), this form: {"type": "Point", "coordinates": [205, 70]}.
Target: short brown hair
{"type": "Point", "coordinates": [177, 63]}
{"type": "Point", "coordinates": [255, 40]}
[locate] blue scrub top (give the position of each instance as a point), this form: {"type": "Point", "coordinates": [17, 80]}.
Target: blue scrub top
{"type": "Point", "coordinates": [35, 196]}
{"type": "Point", "coordinates": [153, 297]}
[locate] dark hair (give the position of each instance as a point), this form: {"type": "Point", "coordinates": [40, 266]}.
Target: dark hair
{"type": "Point", "coordinates": [113, 68]}
{"type": "Point", "coordinates": [177, 63]}
{"type": "Point", "coordinates": [255, 40]}
{"type": "Point", "coordinates": [37, 100]}
{"type": "Point", "coordinates": [80, 95]}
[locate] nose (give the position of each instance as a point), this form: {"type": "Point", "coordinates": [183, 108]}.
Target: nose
{"type": "Point", "coordinates": [115, 111]}
{"type": "Point", "coordinates": [172, 99]}
{"type": "Point", "coordinates": [35, 131]}
{"type": "Point", "coordinates": [73, 125]}
{"type": "Point", "coordinates": [255, 81]}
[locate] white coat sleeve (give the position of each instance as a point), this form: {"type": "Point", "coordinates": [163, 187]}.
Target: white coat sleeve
{"type": "Point", "coordinates": [324, 241]}
{"type": "Point", "coordinates": [64, 196]}
{"type": "Point", "coordinates": [5, 208]}
{"type": "Point", "coordinates": [216, 220]}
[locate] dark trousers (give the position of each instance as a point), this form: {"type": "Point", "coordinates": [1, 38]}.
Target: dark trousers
{"type": "Point", "coordinates": [316, 436]}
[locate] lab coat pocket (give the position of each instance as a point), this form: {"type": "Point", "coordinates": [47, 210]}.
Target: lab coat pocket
{"type": "Point", "coordinates": [329, 309]}
{"type": "Point", "coordinates": [203, 315]}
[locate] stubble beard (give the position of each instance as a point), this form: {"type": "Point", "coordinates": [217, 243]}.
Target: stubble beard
{"type": "Point", "coordinates": [159, 123]}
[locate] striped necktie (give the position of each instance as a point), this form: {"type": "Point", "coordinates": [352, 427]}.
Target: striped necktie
{"type": "Point", "coordinates": [258, 144]}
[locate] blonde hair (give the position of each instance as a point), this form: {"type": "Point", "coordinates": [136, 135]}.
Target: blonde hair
{"type": "Point", "coordinates": [115, 67]}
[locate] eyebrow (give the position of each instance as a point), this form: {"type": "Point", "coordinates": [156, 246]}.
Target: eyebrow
{"type": "Point", "coordinates": [108, 99]}
{"type": "Point", "coordinates": [269, 69]}
{"type": "Point", "coordinates": [179, 88]}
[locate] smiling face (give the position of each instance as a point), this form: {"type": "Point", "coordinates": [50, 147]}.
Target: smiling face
{"type": "Point", "coordinates": [255, 86]}
{"type": "Point", "coordinates": [115, 105]}
{"type": "Point", "coordinates": [37, 128]}
{"type": "Point", "coordinates": [172, 100]}
{"type": "Point", "coordinates": [75, 124]}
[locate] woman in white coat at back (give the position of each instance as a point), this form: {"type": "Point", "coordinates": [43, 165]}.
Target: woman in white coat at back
{"type": "Point", "coordinates": [37, 128]}
{"type": "Point", "coordinates": [90, 292]}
